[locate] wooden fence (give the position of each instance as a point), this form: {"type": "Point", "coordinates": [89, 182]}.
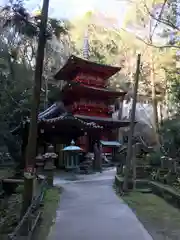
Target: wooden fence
{"type": "Point", "coordinates": [27, 225]}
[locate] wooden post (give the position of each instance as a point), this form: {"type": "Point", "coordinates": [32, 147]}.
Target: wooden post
{"type": "Point", "coordinates": [131, 132]}
{"type": "Point", "coordinates": [134, 165]}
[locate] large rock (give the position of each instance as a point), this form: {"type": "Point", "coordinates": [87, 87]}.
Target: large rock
{"type": "Point", "coordinates": [147, 133]}
{"type": "Point", "coordinates": [144, 128]}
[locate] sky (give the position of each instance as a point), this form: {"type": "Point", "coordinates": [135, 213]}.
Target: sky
{"type": "Point", "coordinates": [74, 8]}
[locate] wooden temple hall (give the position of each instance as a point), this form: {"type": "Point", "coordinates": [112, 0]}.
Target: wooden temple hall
{"type": "Point", "coordinates": [85, 113]}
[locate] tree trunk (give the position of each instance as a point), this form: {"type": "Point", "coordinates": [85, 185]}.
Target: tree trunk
{"type": "Point", "coordinates": [46, 94]}
{"type": "Point", "coordinates": [161, 113]}
{"type": "Point", "coordinates": [132, 123]}
{"type": "Point", "coordinates": [154, 99]}
{"type": "Point", "coordinates": [32, 139]}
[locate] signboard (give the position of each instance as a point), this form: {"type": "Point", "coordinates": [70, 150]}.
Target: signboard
{"type": "Point", "coordinates": [29, 169]}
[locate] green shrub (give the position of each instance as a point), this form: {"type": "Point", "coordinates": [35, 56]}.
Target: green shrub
{"type": "Point", "coordinates": [155, 158]}
{"type": "Point", "coordinates": [170, 137]}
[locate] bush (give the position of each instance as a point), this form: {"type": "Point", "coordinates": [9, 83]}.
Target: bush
{"type": "Point", "coordinates": [170, 137]}
{"type": "Point", "coordinates": [155, 158]}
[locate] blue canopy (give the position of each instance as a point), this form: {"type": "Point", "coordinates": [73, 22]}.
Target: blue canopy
{"type": "Point", "coordinates": [72, 147]}
{"type": "Point", "coordinates": [110, 143]}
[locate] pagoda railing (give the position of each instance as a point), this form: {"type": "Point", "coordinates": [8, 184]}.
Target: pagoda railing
{"type": "Point", "coordinates": [90, 81]}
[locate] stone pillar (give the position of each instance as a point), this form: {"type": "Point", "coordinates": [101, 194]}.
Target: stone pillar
{"type": "Point", "coordinates": [49, 164]}
{"type": "Point", "coordinates": [61, 156]}
{"type": "Point", "coordinates": [39, 163]}
{"type": "Point", "coordinates": [134, 150]}
{"type": "Point", "coordinates": [120, 135]}
{"type": "Point", "coordinates": [97, 158]}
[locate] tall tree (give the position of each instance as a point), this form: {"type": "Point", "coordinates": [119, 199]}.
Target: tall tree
{"type": "Point", "coordinates": [32, 140]}
{"type": "Point", "coordinates": [147, 31]}
{"type": "Point", "coordinates": [132, 123]}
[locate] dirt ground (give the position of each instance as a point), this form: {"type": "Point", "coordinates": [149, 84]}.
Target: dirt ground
{"type": "Point", "coordinates": [160, 219]}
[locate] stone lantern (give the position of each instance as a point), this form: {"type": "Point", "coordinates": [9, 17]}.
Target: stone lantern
{"type": "Point", "coordinates": [49, 166]}
{"type": "Point", "coordinates": [39, 162]}
{"type": "Point", "coordinates": [71, 156]}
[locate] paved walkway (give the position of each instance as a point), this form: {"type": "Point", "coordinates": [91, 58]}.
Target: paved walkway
{"type": "Point", "coordinates": [90, 210]}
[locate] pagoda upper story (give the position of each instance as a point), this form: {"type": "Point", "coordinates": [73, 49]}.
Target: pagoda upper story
{"type": "Point", "coordinates": [86, 91]}
{"type": "Point", "coordinates": [78, 69]}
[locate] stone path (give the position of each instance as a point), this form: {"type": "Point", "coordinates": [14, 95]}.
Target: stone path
{"type": "Point", "coordinates": [90, 210]}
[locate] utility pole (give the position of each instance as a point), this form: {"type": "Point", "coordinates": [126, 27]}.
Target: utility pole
{"type": "Point", "coordinates": [32, 139]}
{"type": "Point", "coordinates": [132, 123]}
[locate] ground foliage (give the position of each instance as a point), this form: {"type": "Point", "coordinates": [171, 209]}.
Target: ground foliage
{"type": "Point", "coordinates": [159, 218]}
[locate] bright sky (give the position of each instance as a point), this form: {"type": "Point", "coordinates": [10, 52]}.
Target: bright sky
{"type": "Point", "coordinates": [73, 8]}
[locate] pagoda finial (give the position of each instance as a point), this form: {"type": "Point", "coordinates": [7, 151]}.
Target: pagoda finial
{"type": "Point", "coordinates": [86, 45]}
{"type": "Point", "coordinates": [72, 143]}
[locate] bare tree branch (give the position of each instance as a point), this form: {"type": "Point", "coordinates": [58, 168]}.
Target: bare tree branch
{"type": "Point", "coordinates": [157, 21]}
{"type": "Point", "coordinates": [160, 19]}
{"type": "Point", "coordinates": [149, 43]}
{"type": "Point", "coordinates": [157, 46]}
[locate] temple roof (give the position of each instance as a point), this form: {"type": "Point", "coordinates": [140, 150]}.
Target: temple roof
{"type": "Point", "coordinates": [54, 110]}
{"type": "Point", "coordinates": [110, 143]}
{"type": "Point", "coordinates": [56, 116]}
{"type": "Point", "coordinates": [87, 91]}
{"type": "Point", "coordinates": [55, 119]}
{"type": "Point", "coordinates": [64, 127]}
{"type": "Point", "coordinates": [105, 122]}
{"type": "Point", "coordinates": [74, 65]}
{"type": "Point", "coordinates": [67, 119]}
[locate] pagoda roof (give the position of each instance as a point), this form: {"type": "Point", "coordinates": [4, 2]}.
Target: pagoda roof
{"type": "Point", "coordinates": [86, 91]}
{"type": "Point", "coordinates": [105, 122]}
{"type": "Point", "coordinates": [74, 65]}
{"type": "Point", "coordinates": [66, 126]}
{"type": "Point", "coordinates": [54, 110]}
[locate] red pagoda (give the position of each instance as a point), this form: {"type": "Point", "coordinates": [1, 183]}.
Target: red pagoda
{"type": "Point", "coordinates": [85, 114]}
{"type": "Point", "coordinates": [87, 96]}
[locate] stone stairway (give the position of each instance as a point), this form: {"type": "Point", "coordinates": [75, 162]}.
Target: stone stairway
{"type": "Point", "coordinates": [141, 172]}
